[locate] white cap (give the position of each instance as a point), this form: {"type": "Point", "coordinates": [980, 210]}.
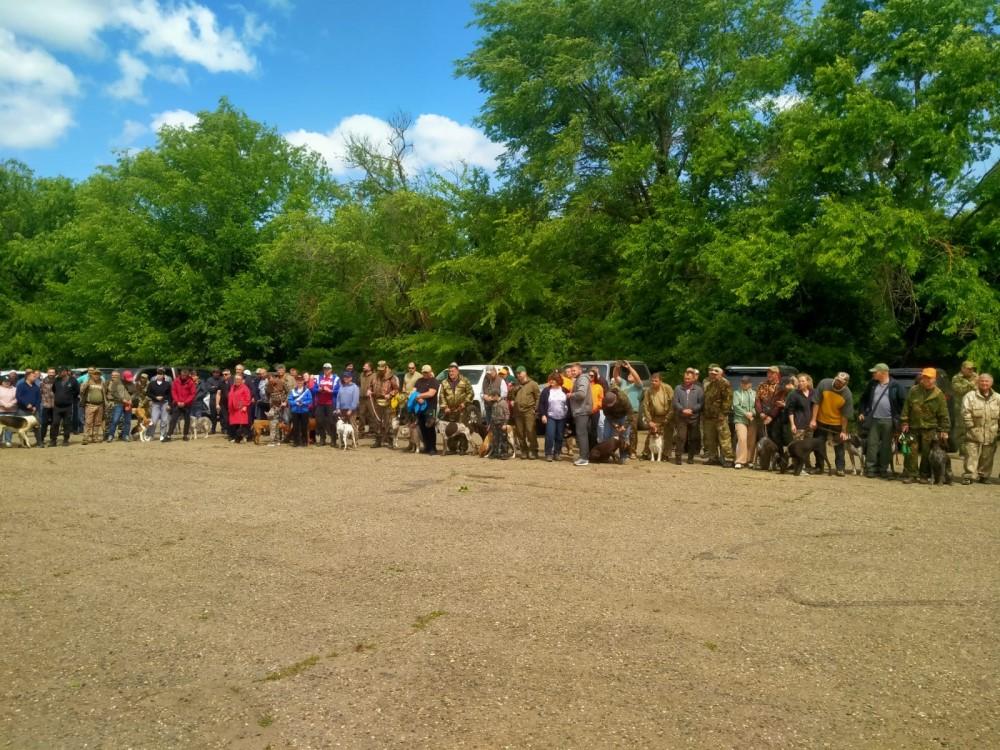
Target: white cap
{"type": "Point", "coordinates": [327, 366]}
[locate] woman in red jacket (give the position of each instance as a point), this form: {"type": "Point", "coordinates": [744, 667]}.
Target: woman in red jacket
{"type": "Point", "coordinates": [240, 402]}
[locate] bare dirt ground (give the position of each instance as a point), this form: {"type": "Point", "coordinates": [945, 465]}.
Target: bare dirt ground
{"type": "Point", "coordinates": [209, 595]}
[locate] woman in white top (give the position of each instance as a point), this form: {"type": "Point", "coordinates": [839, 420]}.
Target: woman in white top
{"type": "Point", "coordinates": [553, 405]}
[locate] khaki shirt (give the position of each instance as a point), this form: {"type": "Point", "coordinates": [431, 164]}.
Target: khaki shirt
{"type": "Point", "coordinates": [981, 415]}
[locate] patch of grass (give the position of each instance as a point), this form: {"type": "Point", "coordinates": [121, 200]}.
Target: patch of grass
{"type": "Point", "coordinates": [464, 488]}
{"type": "Point", "coordinates": [332, 655]}
{"type": "Point", "coordinates": [362, 647]}
{"type": "Point", "coordinates": [265, 720]}
{"type": "Point", "coordinates": [424, 620]}
{"type": "Point", "coordinates": [291, 670]}
{"type": "Point", "coordinates": [61, 573]}
{"type": "Point", "coordinates": [204, 615]}
{"type": "Point", "coordinates": [711, 646]}
{"type": "Point", "coordinates": [394, 569]}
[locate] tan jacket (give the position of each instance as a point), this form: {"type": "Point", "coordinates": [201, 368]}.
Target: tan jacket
{"type": "Point", "coordinates": [982, 416]}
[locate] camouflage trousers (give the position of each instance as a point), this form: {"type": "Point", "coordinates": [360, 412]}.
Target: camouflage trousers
{"type": "Point", "coordinates": [718, 439]}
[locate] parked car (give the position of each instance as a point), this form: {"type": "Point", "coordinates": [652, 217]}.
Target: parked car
{"type": "Point", "coordinates": [758, 373]}
{"type": "Point", "coordinates": [907, 377]}
{"type": "Point", "coordinates": [476, 375]}
{"type": "Point", "coordinates": [606, 366]}
{"type": "Point", "coordinates": [172, 372]}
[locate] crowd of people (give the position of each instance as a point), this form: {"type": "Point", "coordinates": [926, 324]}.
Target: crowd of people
{"type": "Point", "coordinates": [697, 416]}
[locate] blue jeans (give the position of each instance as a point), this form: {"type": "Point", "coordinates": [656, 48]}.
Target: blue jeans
{"type": "Point", "coordinates": [117, 413]}
{"type": "Point", "coordinates": [609, 431]}
{"type": "Point", "coordinates": [555, 429]}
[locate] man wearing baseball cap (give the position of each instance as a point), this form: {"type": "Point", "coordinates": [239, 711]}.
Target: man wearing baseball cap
{"type": "Point", "coordinates": [880, 407]}
{"type": "Point", "coordinates": [427, 390]}
{"type": "Point", "coordinates": [325, 389]}
{"type": "Point", "coordinates": [834, 406]}
{"type": "Point", "coordinates": [924, 416]}
{"type": "Point", "coordinates": [964, 381]}
{"type": "Point", "coordinates": [718, 404]}
{"type": "Point", "coordinates": [385, 387]}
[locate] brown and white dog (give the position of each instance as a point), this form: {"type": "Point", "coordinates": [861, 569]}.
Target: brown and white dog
{"type": "Point", "coordinates": [19, 426]}
{"type": "Point", "coordinates": [655, 443]}
{"type": "Point", "coordinates": [141, 424]}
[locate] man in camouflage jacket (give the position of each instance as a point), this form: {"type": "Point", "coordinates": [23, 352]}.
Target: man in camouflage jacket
{"type": "Point", "coordinates": [718, 404]}
{"type": "Point", "coordinates": [924, 416]}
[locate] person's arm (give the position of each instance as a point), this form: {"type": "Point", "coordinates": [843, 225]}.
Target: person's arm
{"type": "Point", "coordinates": [904, 415]}
{"type": "Point", "coordinates": [815, 415]}
{"type": "Point", "coordinates": [967, 415]}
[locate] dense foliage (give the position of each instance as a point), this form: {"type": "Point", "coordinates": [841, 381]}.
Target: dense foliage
{"type": "Point", "coordinates": [685, 181]}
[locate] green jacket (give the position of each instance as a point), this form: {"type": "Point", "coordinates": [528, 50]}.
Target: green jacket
{"type": "Point", "coordinates": [743, 402]}
{"type": "Point", "coordinates": [718, 399]}
{"type": "Point", "coordinates": [962, 385]}
{"type": "Point", "coordinates": [926, 410]}
{"type": "Point", "coordinates": [458, 397]}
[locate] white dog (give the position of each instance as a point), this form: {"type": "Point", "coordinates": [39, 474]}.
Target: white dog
{"type": "Point", "coordinates": [20, 426]}
{"type": "Point", "coordinates": [345, 432]}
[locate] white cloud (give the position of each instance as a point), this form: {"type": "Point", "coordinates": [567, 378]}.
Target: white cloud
{"type": "Point", "coordinates": [438, 142]}
{"type": "Point", "coordinates": [191, 33]}
{"type": "Point", "coordinates": [64, 24]}
{"type": "Point", "coordinates": [778, 103]}
{"type": "Point", "coordinates": [174, 118]}
{"type": "Point", "coordinates": [131, 132]}
{"type": "Point", "coordinates": [171, 74]}
{"type": "Point", "coordinates": [183, 29]}
{"type": "Point", "coordinates": [134, 72]}
{"type": "Point", "coordinates": [34, 88]}
{"type": "Point", "coordinates": [441, 142]}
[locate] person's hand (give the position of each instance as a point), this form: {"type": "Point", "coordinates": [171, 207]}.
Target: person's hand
{"type": "Point", "coordinates": [812, 424]}
{"type": "Point", "coordinates": [861, 417]}
{"type": "Point", "coordinates": [545, 420]}
{"type": "Point", "coordinates": [750, 416]}
{"type": "Point", "coordinates": [906, 427]}
{"type": "Point", "coordinates": [943, 435]}
{"type": "Point", "coordinates": [795, 430]}
{"type": "Point", "coordinates": [843, 437]}
{"type": "Point", "coordinates": [767, 420]}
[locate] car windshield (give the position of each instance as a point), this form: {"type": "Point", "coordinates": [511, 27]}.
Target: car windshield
{"type": "Point", "coordinates": [472, 373]}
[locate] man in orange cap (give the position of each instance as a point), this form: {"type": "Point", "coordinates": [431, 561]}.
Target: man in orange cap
{"type": "Point", "coordinates": [924, 416]}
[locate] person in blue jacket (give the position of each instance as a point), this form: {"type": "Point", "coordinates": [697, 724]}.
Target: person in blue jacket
{"type": "Point", "coordinates": [299, 403]}
{"type": "Point", "coordinates": [348, 398]}
{"type": "Point", "coordinates": [29, 402]}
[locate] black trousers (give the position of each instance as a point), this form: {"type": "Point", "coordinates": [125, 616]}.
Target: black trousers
{"type": "Point", "coordinates": [175, 414]}
{"type": "Point", "coordinates": [238, 431]}
{"type": "Point", "coordinates": [62, 416]}
{"type": "Point", "coordinates": [300, 429]}
{"type": "Point", "coordinates": [427, 432]}
{"type": "Point", "coordinates": [325, 423]}
{"type": "Point", "coordinates": [687, 438]}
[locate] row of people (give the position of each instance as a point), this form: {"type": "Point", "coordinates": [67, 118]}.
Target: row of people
{"type": "Point", "coordinates": [693, 415]}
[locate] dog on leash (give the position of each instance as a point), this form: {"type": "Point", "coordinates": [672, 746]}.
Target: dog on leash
{"type": "Point", "coordinates": [609, 451]}
{"type": "Point", "coordinates": [141, 424]}
{"type": "Point", "coordinates": [456, 436]}
{"type": "Point", "coordinates": [854, 448]}
{"type": "Point", "coordinates": [202, 425]}
{"type": "Point", "coordinates": [413, 442]}
{"type": "Point", "coordinates": [655, 444]}
{"type": "Point", "coordinates": [940, 464]}
{"type": "Point", "coordinates": [345, 433]}
{"type": "Point", "coordinates": [19, 426]}
{"type": "Point", "coordinates": [770, 456]}
{"type": "Point", "coordinates": [799, 452]}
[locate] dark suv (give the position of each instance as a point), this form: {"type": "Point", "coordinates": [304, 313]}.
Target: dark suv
{"type": "Point", "coordinates": [757, 373]}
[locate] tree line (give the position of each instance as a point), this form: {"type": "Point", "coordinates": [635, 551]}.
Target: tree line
{"type": "Point", "coordinates": [684, 182]}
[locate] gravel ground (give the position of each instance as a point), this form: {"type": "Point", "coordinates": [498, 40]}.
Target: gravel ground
{"type": "Point", "coordinates": [207, 595]}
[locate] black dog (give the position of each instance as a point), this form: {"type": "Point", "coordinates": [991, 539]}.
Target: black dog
{"type": "Point", "coordinates": [799, 450]}
{"type": "Point", "coordinates": [940, 464]}
{"type": "Point", "coordinates": [769, 455]}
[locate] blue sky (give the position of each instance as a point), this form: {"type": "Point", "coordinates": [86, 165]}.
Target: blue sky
{"type": "Point", "coordinates": [80, 78]}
